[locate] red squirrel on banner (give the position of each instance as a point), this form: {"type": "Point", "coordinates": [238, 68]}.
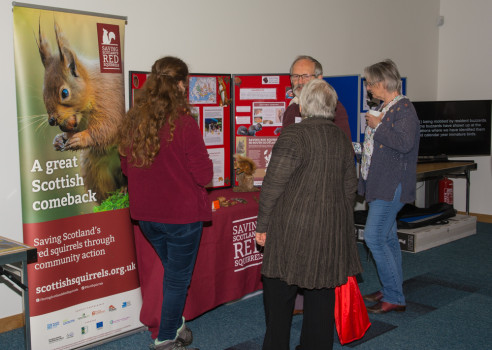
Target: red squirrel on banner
{"type": "Point", "coordinates": [87, 106]}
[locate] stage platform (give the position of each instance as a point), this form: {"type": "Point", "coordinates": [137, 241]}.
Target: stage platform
{"type": "Point", "coordinates": [423, 238]}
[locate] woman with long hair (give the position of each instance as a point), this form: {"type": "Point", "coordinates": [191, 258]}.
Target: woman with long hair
{"type": "Point", "coordinates": [167, 165]}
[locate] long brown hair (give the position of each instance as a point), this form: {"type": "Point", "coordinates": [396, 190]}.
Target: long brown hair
{"type": "Point", "coordinates": [161, 101]}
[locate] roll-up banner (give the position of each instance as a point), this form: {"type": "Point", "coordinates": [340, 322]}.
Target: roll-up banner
{"type": "Point", "coordinates": [84, 286]}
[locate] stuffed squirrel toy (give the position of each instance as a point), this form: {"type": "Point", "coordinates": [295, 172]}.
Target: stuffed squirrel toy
{"type": "Point", "coordinates": [244, 168]}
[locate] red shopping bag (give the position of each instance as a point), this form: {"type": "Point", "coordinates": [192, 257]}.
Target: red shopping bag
{"type": "Point", "coordinates": [351, 318]}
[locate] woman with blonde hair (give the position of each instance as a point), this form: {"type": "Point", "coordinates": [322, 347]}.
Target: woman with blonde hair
{"type": "Point", "coordinates": [167, 165]}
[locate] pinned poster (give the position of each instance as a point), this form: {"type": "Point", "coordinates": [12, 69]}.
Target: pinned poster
{"type": "Point", "coordinates": [260, 101]}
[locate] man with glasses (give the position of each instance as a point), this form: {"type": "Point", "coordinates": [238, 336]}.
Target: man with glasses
{"type": "Point", "coordinates": [302, 70]}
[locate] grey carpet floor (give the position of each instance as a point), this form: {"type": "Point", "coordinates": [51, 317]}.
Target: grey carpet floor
{"type": "Point", "coordinates": [449, 305]}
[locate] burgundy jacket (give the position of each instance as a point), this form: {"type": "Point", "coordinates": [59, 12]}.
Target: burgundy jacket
{"type": "Point", "coordinates": [172, 189]}
{"type": "Point", "coordinates": [341, 117]}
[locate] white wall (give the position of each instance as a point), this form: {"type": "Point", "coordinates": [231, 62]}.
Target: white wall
{"type": "Point", "coordinates": [465, 73]}
{"type": "Point", "coordinates": [235, 36]}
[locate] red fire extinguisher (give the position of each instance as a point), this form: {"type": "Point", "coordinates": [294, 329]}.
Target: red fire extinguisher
{"type": "Point", "coordinates": [446, 190]}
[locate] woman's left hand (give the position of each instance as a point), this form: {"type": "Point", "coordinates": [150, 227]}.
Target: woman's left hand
{"type": "Point", "coordinates": [261, 238]}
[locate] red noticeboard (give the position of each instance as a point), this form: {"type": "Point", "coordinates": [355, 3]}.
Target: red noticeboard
{"type": "Point", "coordinates": [259, 105]}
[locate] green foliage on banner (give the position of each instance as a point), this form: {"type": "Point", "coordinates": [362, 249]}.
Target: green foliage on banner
{"type": "Point", "coordinates": [117, 200]}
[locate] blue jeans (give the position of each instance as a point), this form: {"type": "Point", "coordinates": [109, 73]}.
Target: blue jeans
{"type": "Point", "coordinates": [177, 247]}
{"type": "Point", "coordinates": [381, 238]}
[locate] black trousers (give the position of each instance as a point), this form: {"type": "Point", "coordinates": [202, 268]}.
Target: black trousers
{"type": "Point", "coordinates": [318, 319]}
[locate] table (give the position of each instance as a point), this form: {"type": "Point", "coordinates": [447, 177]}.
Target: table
{"type": "Point", "coordinates": [12, 252]}
{"type": "Point", "coordinates": [227, 267]}
{"type": "Point", "coordinates": [426, 171]}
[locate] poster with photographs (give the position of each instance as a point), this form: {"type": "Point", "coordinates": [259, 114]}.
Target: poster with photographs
{"type": "Point", "coordinates": [259, 105]}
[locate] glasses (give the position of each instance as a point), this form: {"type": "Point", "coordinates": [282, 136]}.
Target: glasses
{"type": "Point", "coordinates": [297, 77]}
{"type": "Point", "coordinates": [370, 83]}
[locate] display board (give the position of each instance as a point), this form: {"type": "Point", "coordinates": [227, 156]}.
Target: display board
{"type": "Point", "coordinates": [347, 88]}
{"type": "Point", "coordinates": [210, 99]}
{"type": "Point", "coordinates": [260, 101]}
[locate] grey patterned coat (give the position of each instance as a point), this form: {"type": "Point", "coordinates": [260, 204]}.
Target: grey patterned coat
{"type": "Point", "coordinates": [306, 207]}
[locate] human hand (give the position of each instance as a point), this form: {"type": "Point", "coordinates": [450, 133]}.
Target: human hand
{"type": "Point", "coordinates": [261, 238]}
{"type": "Point", "coordinates": [372, 120]}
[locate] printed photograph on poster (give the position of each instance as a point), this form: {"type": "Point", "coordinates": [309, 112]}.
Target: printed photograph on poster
{"type": "Point", "coordinates": [268, 113]}
{"type": "Point", "coordinates": [85, 127]}
{"type": "Point", "coordinates": [213, 122]}
{"type": "Point", "coordinates": [217, 157]}
{"type": "Point", "coordinates": [195, 113]}
{"type": "Point", "coordinates": [289, 93]}
{"type": "Point", "coordinates": [270, 80]}
{"type": "Point", "coordinates": [241, 143]}
{"type": "Point", "coordinates": [259, 149]}
{"type": "Point", "coordinates": [202, 90]}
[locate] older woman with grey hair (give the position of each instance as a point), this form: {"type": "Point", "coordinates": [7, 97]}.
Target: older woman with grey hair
{"type": "Point", "coordinates": [305, 222]}
{"type": "Point", "coordinates": [388, 177]}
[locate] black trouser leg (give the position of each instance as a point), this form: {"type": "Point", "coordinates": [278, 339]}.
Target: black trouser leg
{"type": "Point", "coordinates": [278, 299]}
{"type": "Point", "coordinates": [318, 319]}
